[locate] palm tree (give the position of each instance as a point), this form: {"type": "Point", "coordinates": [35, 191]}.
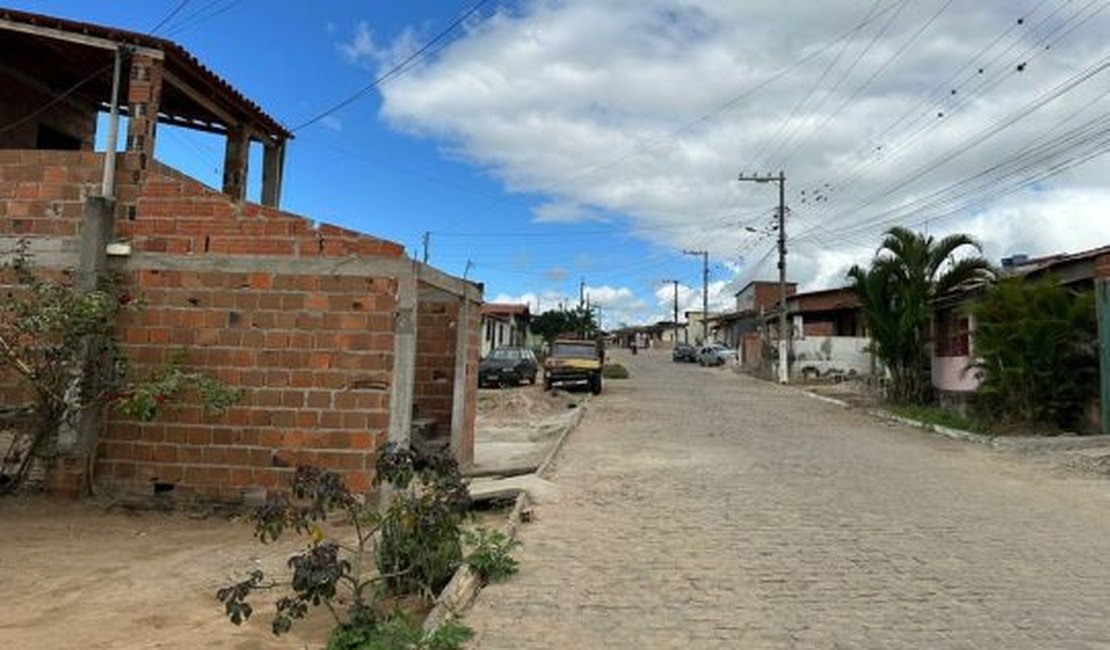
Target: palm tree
{"type": "Point", "coordinates": [908, 272]}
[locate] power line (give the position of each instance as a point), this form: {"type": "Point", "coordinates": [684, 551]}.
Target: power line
{"type": "Point", "coordinates": [177, 9]}
{"type": "Point", "coordinates": [396, 70]}
{"type": "Point", "coordinates": [55, 100]}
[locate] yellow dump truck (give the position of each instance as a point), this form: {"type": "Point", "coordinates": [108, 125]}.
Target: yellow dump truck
{"type": "Point", "coordinates": [574, 362]}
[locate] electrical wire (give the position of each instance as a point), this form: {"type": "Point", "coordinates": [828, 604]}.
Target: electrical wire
{"type": "Point", "coordinates": [396, 70]}
{"type": "Point", "coordinates": [177, 9]}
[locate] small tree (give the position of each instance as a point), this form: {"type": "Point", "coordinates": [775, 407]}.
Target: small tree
{"type": "Point", "coordinates": [60, 343]}
{"type": "Point", "coordinates": [556, 322]}
{"type": "Point", "coordinates": [414, 545]}
{"type": "Point", "coordinates": [897, 291]}
{"type": "Point", "coordinates": [1036, 345]}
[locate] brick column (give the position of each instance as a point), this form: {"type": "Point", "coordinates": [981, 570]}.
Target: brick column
{"type": "Point", "coordinates": [235, 162]}
{"type": "Point", "coordinates": [144, 98]}
{"type": "Point", "coordinates": [273, 166]}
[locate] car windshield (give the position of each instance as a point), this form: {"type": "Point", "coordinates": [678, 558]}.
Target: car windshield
{"type": "Point", "coordinates": [574, 350]}
{"type": "Point", "coordinates": [505, 353]}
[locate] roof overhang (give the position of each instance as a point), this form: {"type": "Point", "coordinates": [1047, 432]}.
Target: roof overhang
{"type": "Point", "coordinates": [60, 55]}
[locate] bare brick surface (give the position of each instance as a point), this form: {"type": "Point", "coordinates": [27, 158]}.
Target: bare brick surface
{"type": "Point", "coordinates": [704, 510]}
{"type": "Point", "coordinates": [313, 353]}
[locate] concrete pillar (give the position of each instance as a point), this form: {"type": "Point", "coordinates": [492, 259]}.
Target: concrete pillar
{"type": "Point", "coordinates": [458, 398]}
{"type": "Point", "coordinates": [236, 157]}
{"type": "Point", "coordinates": [404, 360]}
{"type": "Point", "coordinates": [144, 99]}
{"type": "Point", "coordinates": [79, 431]}
{"type": "Point", "coordinates": [273, 167]}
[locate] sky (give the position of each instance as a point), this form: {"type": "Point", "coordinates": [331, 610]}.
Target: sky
{"type": "Point", "coordinates": [554, 148]}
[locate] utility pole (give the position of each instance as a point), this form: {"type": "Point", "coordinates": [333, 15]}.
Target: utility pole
{"type": "Point", "coordinates": [704, 293]}
{"type": "Point", "coordinates": [427, 239]}
{"type": "Point", "coordinates": [581, 293]}
{"type": "Point", "coordinates": [784, 374]}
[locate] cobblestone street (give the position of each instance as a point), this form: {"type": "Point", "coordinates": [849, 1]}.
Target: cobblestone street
{"type": "Point", "coordinates": [699, 509]}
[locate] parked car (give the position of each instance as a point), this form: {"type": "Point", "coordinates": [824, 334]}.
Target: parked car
{"type": "Point", "coordinates": [684, 352]}
{"type": "Point", "coordinates": [716, 354]}
{"type": "Point", "coordinates": [508, 366]}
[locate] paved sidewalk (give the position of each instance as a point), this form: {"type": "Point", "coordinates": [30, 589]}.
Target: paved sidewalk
{"type": "Point", "coordinates": [703, 510]}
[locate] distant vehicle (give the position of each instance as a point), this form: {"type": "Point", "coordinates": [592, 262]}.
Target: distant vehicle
{"type": "Point", "coordinates": [684, 352]}
{"type": "Point", "coordinates": [508, 366]}
{"type": "Point", "coordinates": [574, 361]}
{"type": "Point", "coordinates": [716, 354]}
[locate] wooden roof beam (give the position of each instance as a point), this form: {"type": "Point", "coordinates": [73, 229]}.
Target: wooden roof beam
{"type": "Point", "coordinates": [72, 37]}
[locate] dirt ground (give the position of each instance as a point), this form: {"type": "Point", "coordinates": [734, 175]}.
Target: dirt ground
{"type": "Point", "coordinates": [498, 405]}
{"type": "Point", "coordinates": [75, 575]}
{"type": "Point", "coordinates": [78, 574]}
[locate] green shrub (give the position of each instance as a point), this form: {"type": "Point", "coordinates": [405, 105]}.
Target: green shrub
{"type": "Point", "coordinates": [614, 371]}
{"type": "Point", "coordinates": [940, 417]}
{"type": "Point", "coordinates": [1037, 350]}
{"type": "Point", "coordinates": [397, 632]}
{"type": "Point", "coordinates": [414, 543]}
{"type": "Point", "coordinates": [490, 554]}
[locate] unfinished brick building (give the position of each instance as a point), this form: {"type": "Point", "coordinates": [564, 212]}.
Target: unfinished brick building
{"type": "Point", "coordinates": [339, 339]}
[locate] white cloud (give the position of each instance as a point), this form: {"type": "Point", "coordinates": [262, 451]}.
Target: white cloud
{"type": "Point", "coordinates": [332, 122]}
{"type": "Point", "coordinates": [649, 109]}
{"type": "Point", "coordinates": [361, 47]}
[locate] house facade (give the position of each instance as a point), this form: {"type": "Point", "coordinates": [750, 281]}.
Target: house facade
{"type": "Point", "coordinates": [954, 326]}
{"type": "Point", "coordinates": [338, 339]}
{"type": "Point", "coordinates": [828, 338]}
{"type": "Point", "coordinates": [505, 324]}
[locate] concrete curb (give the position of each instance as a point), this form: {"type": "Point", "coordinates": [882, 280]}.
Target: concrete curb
{"type": "Point", "coordinates": [824, 398]}
{"type": "Point", "coordinates": [957, 434]}
{"type": "Point", "coordinates": [461, 591]}
{"type": "Point", "coordinates": [1009, 443]}
{"type": "Point", "coordinates": [1065, 442]}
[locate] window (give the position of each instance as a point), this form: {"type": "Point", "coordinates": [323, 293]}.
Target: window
{"type": "Point", "coordinates": [953, 334]}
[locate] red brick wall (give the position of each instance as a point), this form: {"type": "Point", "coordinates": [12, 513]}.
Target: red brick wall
{"type": "Point", "coordinates": [313, 352]}
{"type": "Point", "coordinates": [767, 294]}
{"type": "Point", "coordinates": [437, 314]}
{"type": "Point", "coordinates": [176, 214]}
{"type": "Point", "coordinates": [818, 328]}
{"type": "Point", "coordinates": [314, 355]}
{"type": "Point", "coordinates": [42, 193]}
{"type": "Point", "coordinates": [42, 196]}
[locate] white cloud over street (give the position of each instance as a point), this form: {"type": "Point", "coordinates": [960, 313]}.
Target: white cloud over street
{"type": "Point", "coordinates": [987, 118]}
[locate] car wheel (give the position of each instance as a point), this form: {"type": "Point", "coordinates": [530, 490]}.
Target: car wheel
{"type": "Point", "coordinates": [595, 384]}
{"type": "Point", "coordinates": [546, 383]}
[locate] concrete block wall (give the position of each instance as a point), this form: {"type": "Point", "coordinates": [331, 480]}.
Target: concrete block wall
{"type": "Point", "coordinates": [300, 316]}
{"type": "Point", "coordinates": [313, 354]}
{"type": "Point", "coordinates": [437, 314]}
{"type": "Point", "coordinates": [42, 193]}
{"type": "Point", "coordinates": [42, 196]}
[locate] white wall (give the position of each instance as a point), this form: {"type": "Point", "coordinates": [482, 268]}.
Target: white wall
{"type": "Point", "coordinates": [948, 374]}
{"type": "Point", "coordinates": [832, 355]}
